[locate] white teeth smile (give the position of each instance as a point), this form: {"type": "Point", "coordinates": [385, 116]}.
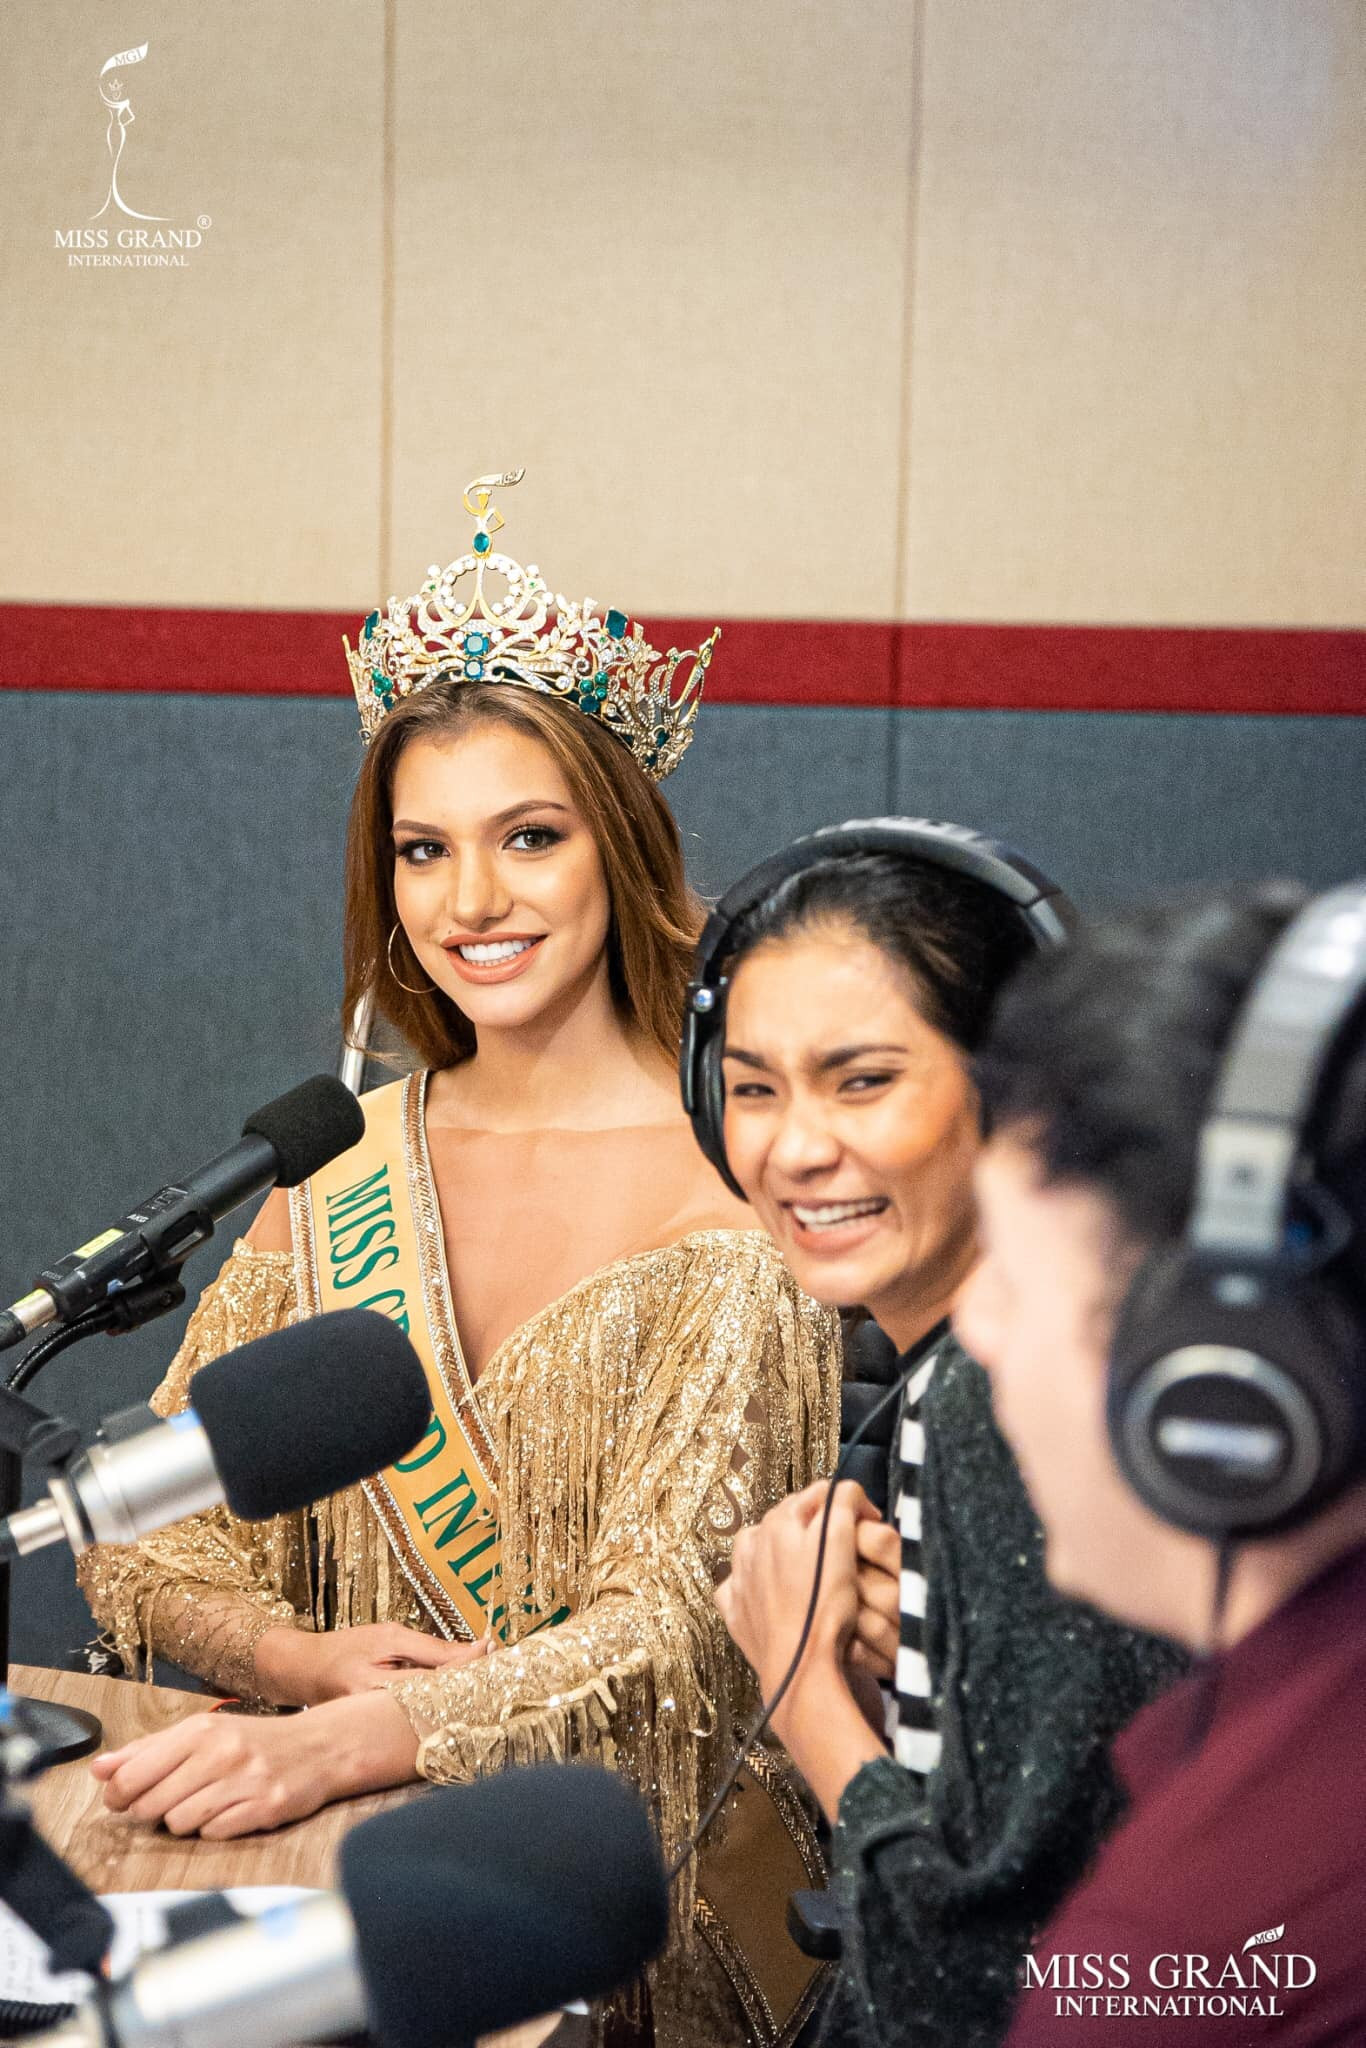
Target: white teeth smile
{"type": "Point", "coordinates": [500, 949]}
{"type": "Point", "coordinates": [831, 1214]}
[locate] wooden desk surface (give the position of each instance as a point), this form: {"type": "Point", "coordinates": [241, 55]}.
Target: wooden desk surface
{"type": "Point", "coordinates": [113, 1854]}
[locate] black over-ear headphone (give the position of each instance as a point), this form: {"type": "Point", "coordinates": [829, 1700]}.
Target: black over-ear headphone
{"type": "Point", "coordinates": [1045, 915]}
{"type": "Point", "coordinates": [1237, 1391]}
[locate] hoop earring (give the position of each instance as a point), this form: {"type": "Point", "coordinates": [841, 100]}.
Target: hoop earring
{"type": "Point", "coordinates": [389, 950]}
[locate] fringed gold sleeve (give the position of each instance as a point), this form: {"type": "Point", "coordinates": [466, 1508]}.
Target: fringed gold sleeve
{"type": "Point", "coordinates": [638, 1424]}
{"type": "Point", "coordinates": [204, 1591]}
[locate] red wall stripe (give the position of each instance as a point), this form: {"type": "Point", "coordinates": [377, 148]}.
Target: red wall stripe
{"type": "Point", "coordinates": [779, 661]}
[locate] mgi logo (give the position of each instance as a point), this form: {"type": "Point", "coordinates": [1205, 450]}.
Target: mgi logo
{"type": "Point", "coordinates": [160, 246]}
{"type": "Point", "coordinates": [120, 121]}
{"type": "Point", "coordinates": [1251, 1984]}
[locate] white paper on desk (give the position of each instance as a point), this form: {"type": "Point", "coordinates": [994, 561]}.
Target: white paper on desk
{"type": "Point", "coordinates": [139, 1925]}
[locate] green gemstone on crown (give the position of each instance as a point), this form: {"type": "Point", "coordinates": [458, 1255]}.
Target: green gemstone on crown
{"type": "Point", "coordinates": [580, 654]}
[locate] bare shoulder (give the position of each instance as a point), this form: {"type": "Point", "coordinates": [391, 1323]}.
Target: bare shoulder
{"type": "Point", "coordinates": [715, 1206]}
{"type": "Point", "coordinates": [270, 1230]}
{"type": "Point", "coordinates": [689, 1185]}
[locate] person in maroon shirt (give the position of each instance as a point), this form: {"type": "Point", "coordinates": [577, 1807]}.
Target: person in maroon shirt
{"type": "Point", "coordinates": [1229, 1905]}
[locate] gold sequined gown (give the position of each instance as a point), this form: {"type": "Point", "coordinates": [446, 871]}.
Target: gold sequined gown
{"type": "Point", "coordinates": [640, 1415]}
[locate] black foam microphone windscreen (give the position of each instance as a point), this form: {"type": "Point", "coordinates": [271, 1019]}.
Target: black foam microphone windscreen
{"type": "Point", "coordinates": [342, 1395]}
{"type": "Point", "coordinates": [280, 1146]}
{"type": "Point", "coordinates": [312, 1124]}
{"type": "Point", "coordinates": [501, 1900]}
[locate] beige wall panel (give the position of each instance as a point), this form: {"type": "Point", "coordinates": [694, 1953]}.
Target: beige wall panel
{"type": "Point", "coordinates": [656, 253]}
{"type": "Point", "coordinates": [1138, 343]}
{"type": "Point", "coordinates": [207, 435]}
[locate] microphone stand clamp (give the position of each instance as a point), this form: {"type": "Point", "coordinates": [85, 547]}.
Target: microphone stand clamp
{"type": "Point", "coordinates": [26, 1432]}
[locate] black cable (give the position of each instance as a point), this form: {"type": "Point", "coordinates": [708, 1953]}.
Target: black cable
{"type": "Point", "coordinates": [771, 1707]}
{"type": "Point", "coordinates": [26, 1368]}
{"type": "Point", "coordinates": [1207, 1669]}
{"type": "Point", "coordinates": [18, 1376]}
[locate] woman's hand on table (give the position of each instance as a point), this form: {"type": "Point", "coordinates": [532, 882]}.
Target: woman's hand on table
{"type": "Point", "coordinates": [219, 1775]}
{"type": "Point", "coordinates": [297, 1668]}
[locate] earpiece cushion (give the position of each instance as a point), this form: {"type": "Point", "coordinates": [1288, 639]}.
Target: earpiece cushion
{"type": "Point", "coordinates": [709, 1118]}
{"type": "Point", "coordinates": [1303, 1335]}
{"type": "Point", "coordinates": [1045, 914]}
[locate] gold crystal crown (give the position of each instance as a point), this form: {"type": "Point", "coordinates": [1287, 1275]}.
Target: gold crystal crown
{"type": "Point", "coordinates": [459, 631]}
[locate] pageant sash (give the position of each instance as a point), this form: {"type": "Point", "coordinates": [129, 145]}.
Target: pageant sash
{"type": "Point", "coordinates": [367, 1234]}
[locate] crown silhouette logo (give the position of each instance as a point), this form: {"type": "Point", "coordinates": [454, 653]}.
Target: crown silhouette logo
{"type": "Point", "coordinates": [461, 629]}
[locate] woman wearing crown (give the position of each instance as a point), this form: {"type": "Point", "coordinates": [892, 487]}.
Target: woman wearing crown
{"type": "Point", "coordinates": [621, 1372]}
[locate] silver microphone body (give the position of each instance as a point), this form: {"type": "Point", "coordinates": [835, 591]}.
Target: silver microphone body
{"type": "Point", "coordinates": [140, 1474]}
{"type": "Point", "coordinates": [464, 1912]}
{"type": "Point", "coordinates": [290, 1975]}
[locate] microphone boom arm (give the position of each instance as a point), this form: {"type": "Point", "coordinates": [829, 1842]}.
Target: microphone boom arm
{"type": "Point", "coordinates": [26, 1431]}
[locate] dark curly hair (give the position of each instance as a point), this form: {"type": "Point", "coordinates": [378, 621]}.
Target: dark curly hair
{"type": "Point", "coordinates": [1104, 1058]}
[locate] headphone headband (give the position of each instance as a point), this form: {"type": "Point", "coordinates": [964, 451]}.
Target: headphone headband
{"type": "Point", "coordinates": [939, 844]}
{"type": "Point", "coordinates": [1237, 1400]}
{"type": "Point", "coordinates": [1044, 910]}
{"type": "Point", "coordinates": [1285, 1035]}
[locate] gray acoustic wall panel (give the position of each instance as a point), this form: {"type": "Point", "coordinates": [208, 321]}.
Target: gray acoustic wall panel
{"type": "Point", "coordinates": [170, 918]}
{"type": "Point", "coordinates": [1119, 805]}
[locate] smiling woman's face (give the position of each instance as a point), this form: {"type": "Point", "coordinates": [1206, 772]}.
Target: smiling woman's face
{"type": "Point", "coordinates": [497, 880]}
{"type": "Point", "coordinates": [851, 1124]}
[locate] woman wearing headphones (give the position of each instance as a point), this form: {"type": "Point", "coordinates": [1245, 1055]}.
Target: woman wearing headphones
{"type": "Point", "coordinates": [1183, 1377]}
{"type": "Point", "coordinates": [840, 993]}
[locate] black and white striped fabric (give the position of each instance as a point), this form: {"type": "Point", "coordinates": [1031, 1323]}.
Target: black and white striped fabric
{"type": "Point", "coordinates": [916, 1741]}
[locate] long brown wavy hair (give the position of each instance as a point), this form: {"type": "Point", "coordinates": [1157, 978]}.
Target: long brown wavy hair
{"type": "Point", "coordinates": [655, 915]}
